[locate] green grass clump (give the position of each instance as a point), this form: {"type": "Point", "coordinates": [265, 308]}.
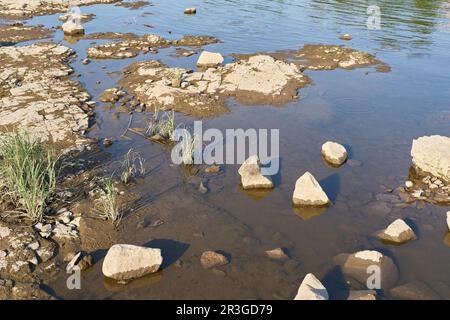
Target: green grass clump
{"type": "Point", "coordinates": [29, 171]}
{"type": "Point", "coordinates": [163, 125]}
{"type": "Point", "coordinates": [108, 202]}
{"type": "Point", "coordinates": [132, 165]}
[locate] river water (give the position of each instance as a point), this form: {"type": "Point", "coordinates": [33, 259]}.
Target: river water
{"type": "Point", "coordinates": [375, 115]}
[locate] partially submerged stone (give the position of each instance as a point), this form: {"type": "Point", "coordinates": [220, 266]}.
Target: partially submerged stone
{"type": "Point", "coordinates": [346, 37]}
{"type": "Point", "coordinates": [308, 192]}
{"type": "Point", "coordinates": [212, 259]}
{"type": "Point", "coordinates": [251, 177]}
{"type": "Point", "coordinates": [276, 254]}
{"type": "Point", "coordinates": [334, 153]}
{"type": "Point", "coordinates": [73, 27]}
{"type": "Point", "coordinates": [311, 289]}
{"type": "Point", "coordinates": [190, 10]}
{"type": "Point", "coordinates": [367, 265]}
{"type": "Point", "coordinates": [209, 59]}
{"type": "Point", "coordinates": [125, 262]}
{"type": "Point", "coordinates": [448, 220]}
{"type": "Point", "coordinates": [111, 95]}
{"type": "Point", "coordinates": [398, 232]}
{"type": "Point", "coordinates": [431, 154]}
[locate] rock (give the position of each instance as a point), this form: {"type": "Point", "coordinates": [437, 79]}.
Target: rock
{"type": "Point", "coordinates": [409, 184]}
{"type": "Point", "coordinates": [362, 295]}
{"type": "Point", "coordinates": [334, 153]}
{"type": "Point", "coordinates": [125, 262]}
{"type": "Point", "coordinates": [277, 254]}
{"type": "Point", "coordinates": [45, 230]}
{"type": "Point", "coordinates": [86, 61]}
{"type": "Point", "coordinates": [202, 189]}
{"type": "Point", "coordinates": [346, 37]}
{"type": "Point", "coordinates": [431, 154]}
{"type": "Point", "coordinates": [73, 27]}
{"type": "Point", "coordinates": [111, 95]}
{"type": "Point", "coordinates": [73, 262]}
{"type": "Point", "coordinates": [251, 177]}
{"type": "Point", "coordinates": [398, 232]}
{"type": "Point", "coordinates": [311, 289]}
{"type": "Point", "coordinates": [308, 192]}
{"type": "Point", "coordinates": [211, 259]}
{"type": "Point", "coordinates": [4, 232]}
{"type": "Point", "coordinates": [448, 220]}
{"type": "Point", "coordinates": [209, 59]}
{"type": "Point", "coordinates": [358, 266]}
{"type": "Point", "coordinates": [414, 290]}
{"type": "Point", "coordinates": [107, 143]}
{"type": "Point", "coordinates": [190, 11]}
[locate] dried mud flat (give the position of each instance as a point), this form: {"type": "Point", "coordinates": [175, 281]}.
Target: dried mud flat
{"type": "Point", "coordinates": [37, 96]}
{"type": "Point", "coordinates": [265, 78]}
{"type": "Point", "coordinates": [30, 8]}
{"type": "Point", "coordinates": [15, 33]}
{"type": "Point", "coordinates": [131, 45]}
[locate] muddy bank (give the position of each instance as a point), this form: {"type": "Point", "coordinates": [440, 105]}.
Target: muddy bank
{"type": "Point", "coordinates": [30, 8]}
{"type": "Point", "coordinates": [132, 45]}
{"type": "Point", "coordinates": [15, 33]}
{"type": "Point", "coordinates": [37, 96]}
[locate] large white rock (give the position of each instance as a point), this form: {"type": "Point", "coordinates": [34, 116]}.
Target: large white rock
{"type": "Point", "coordinates": [398, 231]}
{"type": "Point", "coordinates": [73, 27]}
{"type": "Point", "coordinates": [432, 154]}
{"type": "Point", "coordinates": [334, 153]}
{"type": "Point", "coordinates": [308, 192]}
{"type": "Point", "coordinates": [311, 289]}
{"type": "Point", "coordinates": [209, 59]}
{"type": "Point", "coordinates": [251, 177]}
{"type": "Point", "coordinates": [448, 220]}
{"type": "Point", "coordinates": [126, 262]}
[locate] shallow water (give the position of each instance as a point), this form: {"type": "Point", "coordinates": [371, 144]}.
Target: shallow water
{"type": "Point", "coordinates": [376, 115]}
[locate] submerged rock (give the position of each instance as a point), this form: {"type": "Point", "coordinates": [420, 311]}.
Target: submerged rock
{"type": "Point", "coordinates": [365, 266]}
{"type": "Point", "coordinates": [414, 290]}
{"type": "Point", "coordinates": [334, 153]}
{"type": "Point", "coordinates": [308, 192]}
{"type": "Point", "coordinates": [251, 177]}
{"type": "Point", "coordinates": [211, 259]}
{"type": "Point", "coordinates": [398, 232]}
{"type": "Point", "coordinates": [362, 295]}
{"type": "Point", "coordinates": [431, 154]}
{"type": "Point", "coordinates": [209, 59]}
{"type": "Point", "coordinates": [277, 254]}
{"type": "Point", "coordinates": [311, 289]}
{"type": "Point", "coordinates": [125, 262]}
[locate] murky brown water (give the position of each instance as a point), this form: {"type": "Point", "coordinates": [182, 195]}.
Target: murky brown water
{"type": "Point", "coordinates": [376, 115]}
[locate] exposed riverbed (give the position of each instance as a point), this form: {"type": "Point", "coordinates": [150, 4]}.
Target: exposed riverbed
{"type": "Point", "coordinates": [376, 115]}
